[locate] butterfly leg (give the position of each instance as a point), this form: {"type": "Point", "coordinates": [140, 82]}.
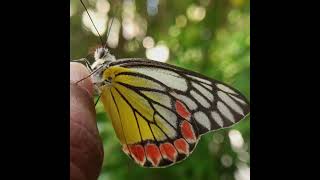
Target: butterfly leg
{"type": "Point", "coordinates": [85, 60]}
{"type": "Point", "coordinates": [95, 104]}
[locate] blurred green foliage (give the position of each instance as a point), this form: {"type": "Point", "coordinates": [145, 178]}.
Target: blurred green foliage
{"type": "Point", "coordinates": [217, 45]}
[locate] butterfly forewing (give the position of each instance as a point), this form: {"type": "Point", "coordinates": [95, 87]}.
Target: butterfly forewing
{"type": "Point", "coordinates": [212, 103]}
{"type": "Point", "coordinates": [159, 111]}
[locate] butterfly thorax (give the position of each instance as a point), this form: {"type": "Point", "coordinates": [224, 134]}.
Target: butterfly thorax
{"type": "Point", "coordinates": [102, 58]}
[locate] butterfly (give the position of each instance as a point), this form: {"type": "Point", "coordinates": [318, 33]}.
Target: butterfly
{"type": "Point", "coordinates": [160, 111]}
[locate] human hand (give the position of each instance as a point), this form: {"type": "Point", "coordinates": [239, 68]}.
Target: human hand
{"type": "Point", "coordinates": [86, 151]}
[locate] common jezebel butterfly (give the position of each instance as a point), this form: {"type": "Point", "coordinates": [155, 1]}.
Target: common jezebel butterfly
{"type": "Point", "coordinates": [159, 111]}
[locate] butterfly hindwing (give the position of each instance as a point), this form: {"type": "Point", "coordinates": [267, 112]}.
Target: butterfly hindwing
{"type": "Point", "coordinates": [164, 109]}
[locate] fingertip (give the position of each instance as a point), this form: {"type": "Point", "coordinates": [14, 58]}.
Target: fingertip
{"type": "Point", "coordinates": [78, 72]}
{"type": "Point", "coordinates": [86, 149]}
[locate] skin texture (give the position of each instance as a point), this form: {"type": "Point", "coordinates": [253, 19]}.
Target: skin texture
{"type": "Point", "coordinates": [86, 152]}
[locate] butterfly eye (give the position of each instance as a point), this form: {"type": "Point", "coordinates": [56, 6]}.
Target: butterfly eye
{"type": "Point", "coordinates": [101, 54]}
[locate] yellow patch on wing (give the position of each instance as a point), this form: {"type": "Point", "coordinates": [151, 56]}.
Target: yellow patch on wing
{"type": "Point", "coordinates": [130, 128]}
{"type": "Point", "coordinates": [165, 126]}
{"type": "Point", "coordinates": [111, 109]}
{"type": "Point", "coordinates": [114, 74]}
{"type": "Point", "coordinates": [136, 101]}
{"type": "Point", "coordinates": [159, 135]}
{"type": "Point", "coordinates": [158, 97]}
{"type": "Point", "coordinates": [125, 125]}
{"type": "Point", "coordinates": [138, 82]}
{"type": "Point", "coordinates": [132, 114]}
{"type": "Point", "coordinates": [144, 128]}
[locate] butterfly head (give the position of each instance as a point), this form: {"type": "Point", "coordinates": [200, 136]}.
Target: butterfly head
{"type": "Point", "coordinates": [102, 58]}
{"type": "Point", "coordinates": [102, 54]}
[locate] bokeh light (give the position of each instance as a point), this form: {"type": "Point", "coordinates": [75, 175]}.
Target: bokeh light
{"type": "Point", "coordinates": [72, 10]}
{"type": "Point", "coordinates": [148, 42]}
{"type": "Point", "coordinates": [196, 13]}
{"type": "Point", "coordinates": [181, 21]}
{"type": "Point", "coordinates": [103, 6]}
{"type": "Point", "coordinates": [242, 172]}
{"type": "Point", "coordinates": [158, 53]}
{"type": "Point", "coordinates": [133, 25]}
{"type": "Point", "coordinates": [152, 7]}
{"type": "Point", "coordinates": [100, 21]}
{"type": "Point", "coordinates": [226, 160]}
{"type": "Point", "coordinates": [113, 38]}
{"type": "Point", "coordinates": [236, 139]}
{"type": "Point", "coordinates": [174, 31]}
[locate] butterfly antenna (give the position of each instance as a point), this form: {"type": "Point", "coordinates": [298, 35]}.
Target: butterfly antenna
{"type": "Point", "coordinates": [105, 45]}
{"type": "Point", "coordinates": [109, 30]}
{"type": "Point", "coordinates": [92, 21]}
{"type": "Point", "coordinates": [90, 74]}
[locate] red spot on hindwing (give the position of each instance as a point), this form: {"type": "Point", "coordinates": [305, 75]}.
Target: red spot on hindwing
{"type": "Point", "coordinates": [168, 151]}
{"type": "Point", "coordinates": [138, 154]}
{"type": "Point", "coordinates": [188, 132]}
{"type": "Point", "coordinates": [182, 146]}
{"type": "Point", "coordinates": [182, 110]}
{"type": "Point", "coordinates": [153, 154]}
